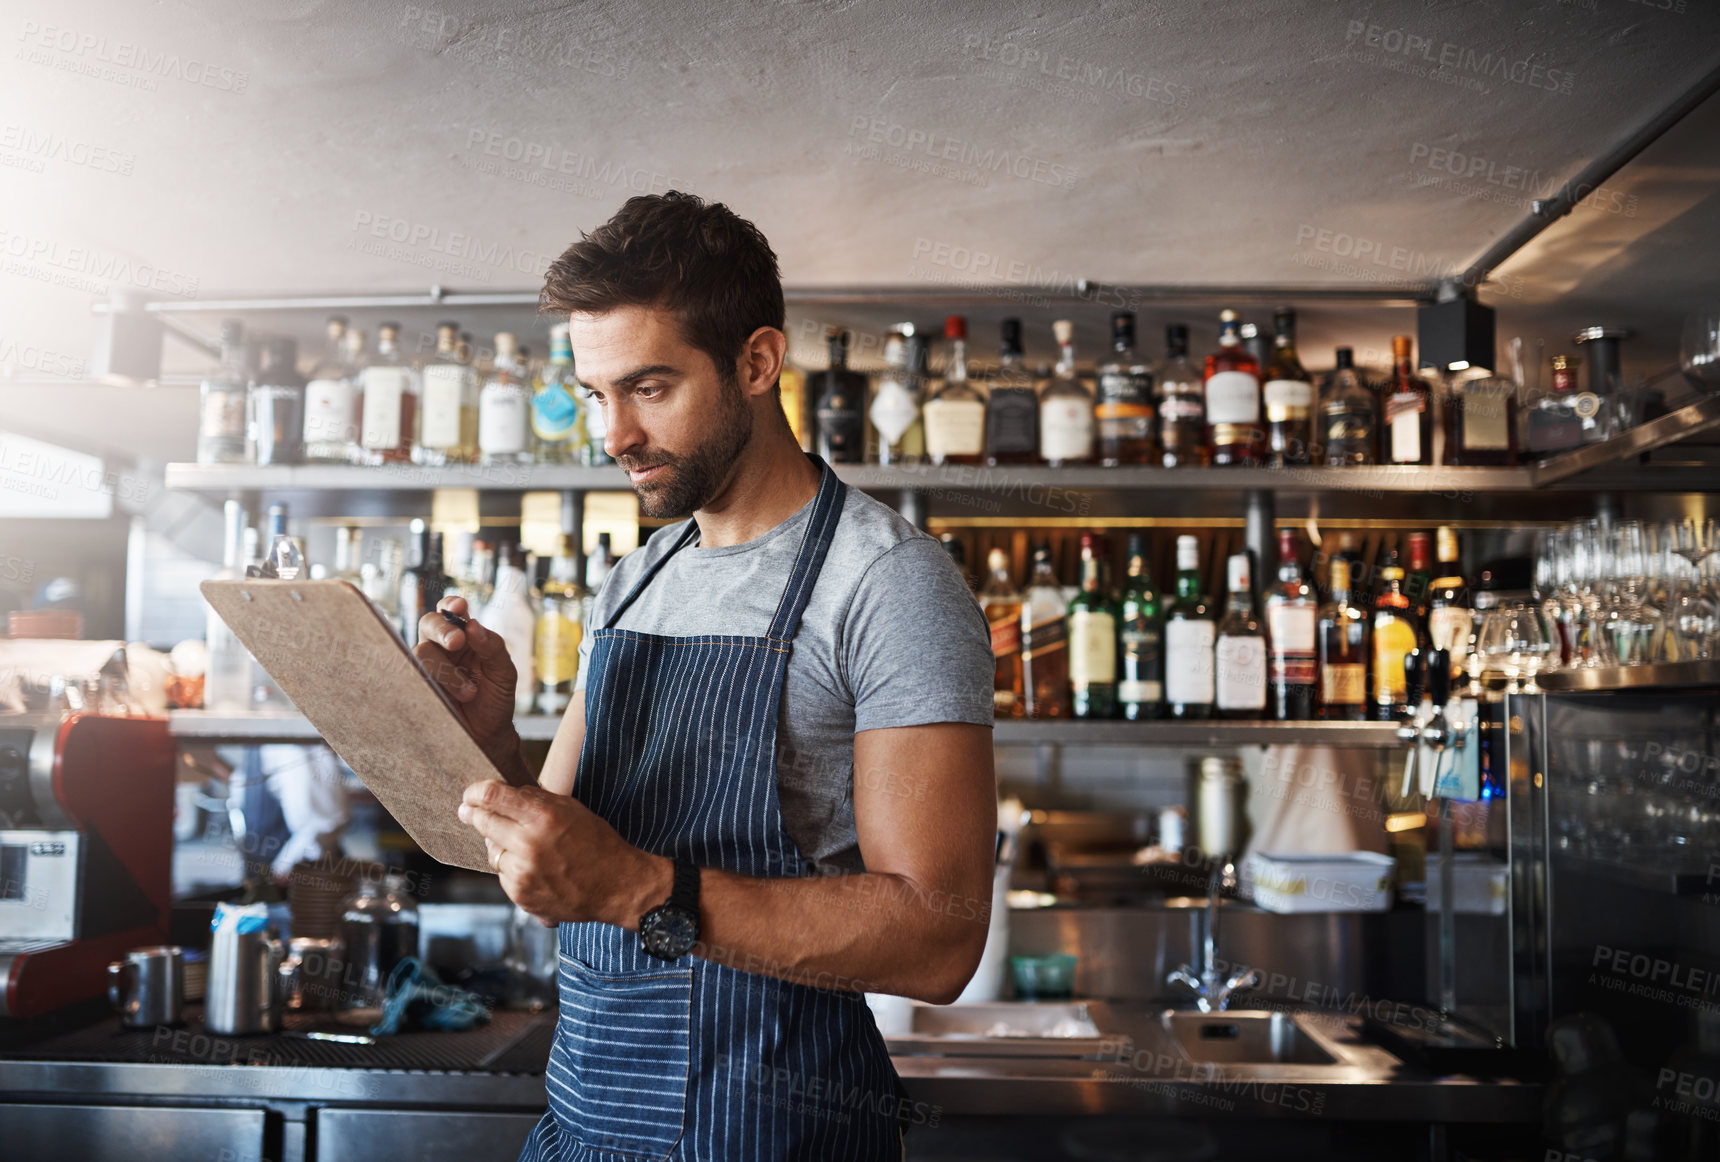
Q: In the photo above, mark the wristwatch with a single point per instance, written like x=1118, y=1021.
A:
x=670, y=930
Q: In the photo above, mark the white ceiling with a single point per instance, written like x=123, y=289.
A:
x=1188, y=143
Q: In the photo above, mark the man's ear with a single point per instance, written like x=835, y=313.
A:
x=761, y=360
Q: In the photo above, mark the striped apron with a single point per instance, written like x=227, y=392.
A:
x=691, y=1059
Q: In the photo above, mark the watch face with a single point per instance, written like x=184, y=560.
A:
x=669, y=932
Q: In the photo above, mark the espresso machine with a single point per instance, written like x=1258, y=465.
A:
x=86, y=852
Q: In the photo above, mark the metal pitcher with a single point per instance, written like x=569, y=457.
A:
x=147, y=988
x=244, y=992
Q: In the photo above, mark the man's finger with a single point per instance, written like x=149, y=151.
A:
x=499, y=829
x=521, y=804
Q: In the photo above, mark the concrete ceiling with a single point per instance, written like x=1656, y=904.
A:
x=211, y=148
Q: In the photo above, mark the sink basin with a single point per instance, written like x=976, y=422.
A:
x=1006, y=1029
x=1245, y=1038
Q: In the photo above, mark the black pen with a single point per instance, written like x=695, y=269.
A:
x=453, y=619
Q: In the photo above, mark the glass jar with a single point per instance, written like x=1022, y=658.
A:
x=379, y=929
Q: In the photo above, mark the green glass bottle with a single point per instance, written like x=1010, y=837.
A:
x=1140, y=640
x=1191, y=632
x=1093, y=639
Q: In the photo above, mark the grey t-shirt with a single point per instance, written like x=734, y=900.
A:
x=891, y=637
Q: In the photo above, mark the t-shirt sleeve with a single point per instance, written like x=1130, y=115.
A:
x=916, y=649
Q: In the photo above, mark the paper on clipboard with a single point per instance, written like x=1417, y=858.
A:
x=346, y=671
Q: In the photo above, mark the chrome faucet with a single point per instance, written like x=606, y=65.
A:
x=1212, y=995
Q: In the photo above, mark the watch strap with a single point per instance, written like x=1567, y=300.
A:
x=685, y=892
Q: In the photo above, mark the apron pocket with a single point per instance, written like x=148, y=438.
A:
x=619, y=1073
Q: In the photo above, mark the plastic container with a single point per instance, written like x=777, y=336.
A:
x=1356, y=881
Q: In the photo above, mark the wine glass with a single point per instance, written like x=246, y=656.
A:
x=1691, y=610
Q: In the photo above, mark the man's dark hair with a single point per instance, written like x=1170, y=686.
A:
x=702, y=262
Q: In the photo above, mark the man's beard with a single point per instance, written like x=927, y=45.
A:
x=690, y=482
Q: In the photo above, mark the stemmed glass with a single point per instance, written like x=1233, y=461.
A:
x=1691, y=612
x=1513, y=641
x=1630, y=616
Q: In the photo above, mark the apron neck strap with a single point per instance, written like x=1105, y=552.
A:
x=814, y=544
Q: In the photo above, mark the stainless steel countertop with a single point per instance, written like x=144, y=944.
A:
x=1152, y=1078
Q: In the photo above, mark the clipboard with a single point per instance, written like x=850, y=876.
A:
x=332, y=652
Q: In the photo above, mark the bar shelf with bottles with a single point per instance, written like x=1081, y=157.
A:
x=1250, y=419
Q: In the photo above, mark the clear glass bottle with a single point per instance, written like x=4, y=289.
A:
x=1481, y=422
x=389, y=422
x=1092, y=639
x=555, y=409
x=277, y=405
x=1044, y=642
x=1292, y=617
x=1288, y=395
x=331, y=402
x=1231, y=383
x=1011, y=405
x=895, y=406
x=348, y=554
x=504, y=408
x=1140, y=639
x=1562, y=418
x=222, y=403
x=378, y=929
x=1001, y=602
x=560, y=629
x=448, y=424
x=955, y=416
x=1191, y=631
x=1124, y=410
x=1239, y=655
x=1348, y=414
x=228, y=682
x=1182, y=405
x=840, y=405
x=1406, y=411
x=1065, y=406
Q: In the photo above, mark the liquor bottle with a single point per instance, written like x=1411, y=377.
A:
x=1450, y=621
x=505, y=408
x=955, y=416
x=594, y=429
x=555, y=409
x=841, y=408
x=1065, y=406
x=448, y=423
x=273, y=544
x=1481, y=422
x=222, y=403
x=348, y=554
x=953, y=546
x=1044, y=642
x=1418, y=580
x=598, y=564
x=1190, y=634
x=331, y=402
x=1292, y=614
x=1406, y=421
x=1288, y=395
x=1182, y=405
x=1140, y=645
x=1002, y=605
x=791, y=391
x=1239, y=657
x=1254, y=343
x=389, y=421
x=1011, y=406
x=381, y=581
x=422, y=582
x=227, y=684
x=1347, y=414
x=356, y=355
x=277, y=406
x=1343, y=642
x=1561, y=418
x=1232, y=388
x=1092, y=639
x=895, y=406
x=560, y=629
x=1124, y=410
x=511, y=612
x=1394, y=639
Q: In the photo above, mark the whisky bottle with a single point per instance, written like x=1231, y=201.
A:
x=1481, y=422
x=1406, y=427
x=1291, y=621
x=1288, y=395
x=1394, y=639
x=1343, y=650
x=1450, y=621
x=1001, y=603
x=389, y=424
x=1182, y=405
x=1124, y=410
x=841, y=407
x=1011, y=406
x=1044, y=642
x=1239, y=656
x=1092, y=639
x=955, y=416
x=1140, y=644
x=1190, y=634
x=1232, y=388
x=1065, y=406
x=1347, y=414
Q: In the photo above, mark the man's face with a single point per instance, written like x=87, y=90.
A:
x=674, y=423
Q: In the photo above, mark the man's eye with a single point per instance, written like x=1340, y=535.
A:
x=647, y=391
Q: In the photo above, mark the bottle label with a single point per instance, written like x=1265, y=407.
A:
x=1343, y=684
x=1292, y=630
x=444, y=392
x=1287, y=399
x=223, y=415
x=1006, y=634
x=555, y=413
x=1011, y=421
x=838, y=420
x=1137, y=690
x=1043, y=637
x=1065, y=428
x=1349, y=435
x=1188, y=661
x=955, y=427
x=1403, y=420
x=1233, y=397
x=1140, y=644
x=1448, y=628
x=1126, y=390
x=1241, y=664
x=329, y=412
x=1092, y=647
x=1182, y=407
x=894, y=411
x=383, y=389
x=1394, y=638
x=503, y=421
x=1486, y=420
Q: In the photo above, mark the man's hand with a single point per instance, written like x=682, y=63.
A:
x=473, y=666
x=560, y=862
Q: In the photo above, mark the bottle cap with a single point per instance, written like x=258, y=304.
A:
x=1188, y=553
x=955, y=327
x=1238, y=572
x=1447, y=541
x=1064, y=331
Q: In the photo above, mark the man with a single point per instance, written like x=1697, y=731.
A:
x=777, y=791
